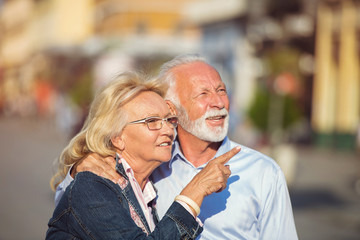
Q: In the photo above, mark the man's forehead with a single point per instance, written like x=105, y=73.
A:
x=207, y=83
x=198, y=74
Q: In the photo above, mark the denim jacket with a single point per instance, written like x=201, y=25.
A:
x=96, y=208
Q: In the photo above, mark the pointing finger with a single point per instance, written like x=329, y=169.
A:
x=227, y=156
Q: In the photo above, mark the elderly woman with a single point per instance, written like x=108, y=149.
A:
x=129, y=120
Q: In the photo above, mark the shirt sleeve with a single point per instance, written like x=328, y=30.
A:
x=277, y=221
x=62, y=187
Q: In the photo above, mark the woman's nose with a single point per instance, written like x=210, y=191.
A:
x=167, y=128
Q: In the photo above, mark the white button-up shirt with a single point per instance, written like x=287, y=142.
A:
x=255, y=204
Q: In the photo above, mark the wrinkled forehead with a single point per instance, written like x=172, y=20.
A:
x=197, y=75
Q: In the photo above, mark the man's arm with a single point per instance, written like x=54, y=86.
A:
x=104, y=167
x=277, y=221
x=62, y=187
x=101, y=166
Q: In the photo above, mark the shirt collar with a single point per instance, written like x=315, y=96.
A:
x=176, y=151
x=224, y=147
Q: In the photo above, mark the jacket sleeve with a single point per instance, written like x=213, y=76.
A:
x=99, y=213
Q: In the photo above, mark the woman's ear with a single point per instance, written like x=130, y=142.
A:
x=118, y=142
x=172, y=107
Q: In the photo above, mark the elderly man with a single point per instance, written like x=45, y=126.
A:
x=256, y=203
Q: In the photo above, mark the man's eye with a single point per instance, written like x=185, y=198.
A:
x=222, y=90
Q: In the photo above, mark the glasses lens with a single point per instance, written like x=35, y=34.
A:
x=154, y=123
x=173, y=121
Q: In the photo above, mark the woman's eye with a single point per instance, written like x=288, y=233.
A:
x=151, y=120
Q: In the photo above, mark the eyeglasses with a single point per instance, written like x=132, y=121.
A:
x=156, y=123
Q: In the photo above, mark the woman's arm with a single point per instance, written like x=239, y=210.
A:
x=99, y=212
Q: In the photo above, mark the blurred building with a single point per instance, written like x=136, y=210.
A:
x=336, y=96
x=277, y=57
x=14, y=48
x=41, y=32
x=73, y=44
x=139, y=34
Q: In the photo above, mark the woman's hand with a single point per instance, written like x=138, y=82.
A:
x=213, y=178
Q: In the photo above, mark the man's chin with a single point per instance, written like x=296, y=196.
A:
x=204, y=131
x=213, y=135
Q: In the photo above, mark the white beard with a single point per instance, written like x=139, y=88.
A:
x=200, y=129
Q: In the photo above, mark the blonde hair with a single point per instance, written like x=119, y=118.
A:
x=106, y=120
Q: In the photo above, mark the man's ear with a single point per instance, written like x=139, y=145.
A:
x=118, y=142
x=172, y=107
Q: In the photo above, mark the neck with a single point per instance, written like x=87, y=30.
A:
x=142, y=169
x=195, y=150
x=141, y=179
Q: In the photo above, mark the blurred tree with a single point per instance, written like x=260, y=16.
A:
x=275, y=105
x=281, y=59
x=259, y=110
x=81, y=92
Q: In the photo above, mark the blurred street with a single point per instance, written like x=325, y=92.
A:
x=325, y=202
x=28, y=149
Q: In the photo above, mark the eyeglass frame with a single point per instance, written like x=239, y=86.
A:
x=144, y=120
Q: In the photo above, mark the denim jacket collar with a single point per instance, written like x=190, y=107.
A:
x=119, y=168
x=129, y=195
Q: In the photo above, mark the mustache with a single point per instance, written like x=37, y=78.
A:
x=215, y=112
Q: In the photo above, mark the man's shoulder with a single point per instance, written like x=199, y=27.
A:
x=254, y=156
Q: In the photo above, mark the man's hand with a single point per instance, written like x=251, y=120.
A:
x=104, y=167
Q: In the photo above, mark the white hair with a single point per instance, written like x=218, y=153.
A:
x=167, y=76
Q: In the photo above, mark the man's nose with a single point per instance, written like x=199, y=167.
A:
x=218, y=101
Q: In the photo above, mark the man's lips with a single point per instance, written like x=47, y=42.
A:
x=216, y=121
x=220, y=117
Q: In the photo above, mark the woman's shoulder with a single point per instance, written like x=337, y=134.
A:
x=89, y=184
x=88, y=176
